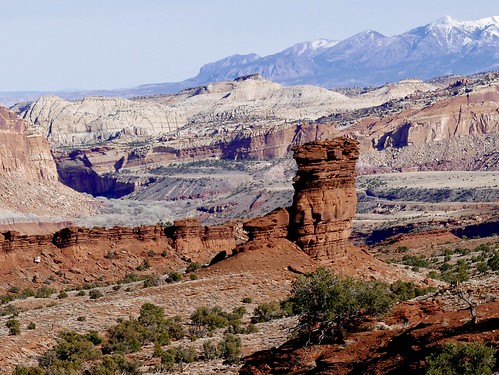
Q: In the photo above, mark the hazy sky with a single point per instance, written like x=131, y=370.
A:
x=99, y=44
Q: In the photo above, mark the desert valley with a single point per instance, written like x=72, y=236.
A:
x=257, y=223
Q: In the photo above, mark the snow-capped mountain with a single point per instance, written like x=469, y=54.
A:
x=446, y=46
x=294, y=63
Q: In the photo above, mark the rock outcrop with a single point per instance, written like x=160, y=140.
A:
x=325, y=198
x=319, y=222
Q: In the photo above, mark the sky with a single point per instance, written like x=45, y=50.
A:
x=105, y=44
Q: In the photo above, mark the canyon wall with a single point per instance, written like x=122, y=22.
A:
x=28, y=177
x=476, y=113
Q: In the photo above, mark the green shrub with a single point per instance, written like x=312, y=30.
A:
x=151, y=326
x=179, y=355
x=21, y=370
x=173, y=277
x=14, y=327
x=449, y=252
x=332, y=305
x=117, y=364
x=129, y=278
x=185, y=354
x=414, y=261
x=210, y=351
x=251, y=328
x=268, y=311
x=433, y=275
x=62, y=294
x=69, y=354
x=483, y=248
x=445, y=267
x=151, y=254
x=247, y=300
x=81, y=293
x=205, y=318
x=44, y=292
x=455, y=275
x=14, y=289
x=230, y=348
x=175, y=328
x=143, y=266
x=464, y=251
x=31, y=325
x=462, y=359
x=81, y=319
x=482, y=267
x=405, y=290
x=493, y=261
x=193, y=276
x=193, y=266
x=152, y=319
x=167, y=360
x=7, y=298
x=151, y=280
x=94, y=337
x=10, y=310
x=95, y=294
x=125, y=337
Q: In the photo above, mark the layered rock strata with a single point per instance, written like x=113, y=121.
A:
x=201, y=243
x=76, y=255
x=269, y=227
x=325, y=199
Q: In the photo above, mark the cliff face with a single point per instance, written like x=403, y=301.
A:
x=28, y=175
x=23, y=154
x=325, y=200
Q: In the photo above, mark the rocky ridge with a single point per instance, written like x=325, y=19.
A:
x=76, y=255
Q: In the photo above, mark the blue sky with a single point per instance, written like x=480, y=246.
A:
x=104, y=44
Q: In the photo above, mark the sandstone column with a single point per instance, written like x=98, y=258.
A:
x=325, y=199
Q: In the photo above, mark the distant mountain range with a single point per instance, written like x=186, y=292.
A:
x=444, y=47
